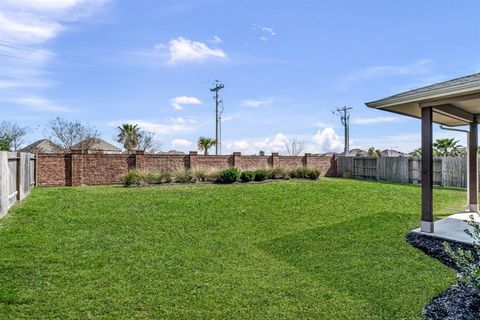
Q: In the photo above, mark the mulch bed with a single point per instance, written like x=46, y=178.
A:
x=457, y=302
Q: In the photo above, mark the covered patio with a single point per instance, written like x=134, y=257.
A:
x=450, y=103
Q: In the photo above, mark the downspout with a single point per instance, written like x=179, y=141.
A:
x=443, y=127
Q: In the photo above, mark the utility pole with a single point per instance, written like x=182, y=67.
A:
x=345, y=119
x=218, y=116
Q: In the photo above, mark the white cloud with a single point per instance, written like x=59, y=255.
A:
x=269, y=30
x=419, y=67
x=328, y=140
x=38, y=104
x=257, y=103
x=26, y=26
x=265, y=32
x=269, y=144
x=179, y=102
x=181, y=144
x=216, y=40
x=368, y=121
x=159, y=129
x=185, y=50
x=181, y=120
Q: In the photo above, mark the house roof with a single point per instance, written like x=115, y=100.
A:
x=453, y=101
x=42, y=146
x=96, y=144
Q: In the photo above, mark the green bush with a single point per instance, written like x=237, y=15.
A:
x=305, y=173
x=313, y=174
x=183, y=176
x=247, y=176
x=261, y=175
x=229, y=175
x=278, y=173
x=132, y=178
x=468, y=261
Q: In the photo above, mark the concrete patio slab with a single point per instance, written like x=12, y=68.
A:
x=453, y=227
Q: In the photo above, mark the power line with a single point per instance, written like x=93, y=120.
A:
x=218, y=116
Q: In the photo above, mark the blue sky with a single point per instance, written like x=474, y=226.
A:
x=285, y=65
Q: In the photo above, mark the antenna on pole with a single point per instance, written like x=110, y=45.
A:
x=344, y=114
x=218, y=116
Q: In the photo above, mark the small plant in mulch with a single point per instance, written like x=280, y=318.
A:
x=468, y=261
x=462, y=301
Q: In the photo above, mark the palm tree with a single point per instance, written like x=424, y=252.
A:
x=205, y=143
x=447, y=147
x=129, y=136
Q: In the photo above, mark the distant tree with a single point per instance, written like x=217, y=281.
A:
x=15, y=134
x=294, y=147
x=372, y=152
x=68, y=133
x=148, y=143
x=261, y=153
x=129, y=135
x=205, y=143
x=416, y=153
x=447, y=147
x=5, y=144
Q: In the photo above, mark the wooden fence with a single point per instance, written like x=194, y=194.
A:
x=17, y=178
x=447, y=171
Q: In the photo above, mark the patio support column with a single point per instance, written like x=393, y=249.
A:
x=427, y=170
x=473, y=167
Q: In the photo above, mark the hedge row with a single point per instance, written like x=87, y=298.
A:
x=230, y=175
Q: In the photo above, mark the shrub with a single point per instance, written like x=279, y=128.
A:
x=247, y=176
x=200, y=175
x=278, y=173
x=229, y=175
x=468, y=261
x=132, y=178
x=313, y=174
x=305, y=173
x=182, y=176
x=166, y=177
x=261, y=175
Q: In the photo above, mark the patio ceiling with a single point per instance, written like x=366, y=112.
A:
x=455, y=102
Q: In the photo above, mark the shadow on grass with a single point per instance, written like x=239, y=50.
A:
x=368, y=259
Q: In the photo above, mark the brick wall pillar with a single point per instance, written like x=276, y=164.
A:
x=192, y=159
x=76, y=167
x=237, y=160
x=275, y=160
x=139, y=162
x=305, y=159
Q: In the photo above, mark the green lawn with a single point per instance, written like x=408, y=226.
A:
x=329, y=249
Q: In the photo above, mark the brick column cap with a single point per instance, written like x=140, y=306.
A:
x=237, y=153
x=193, y=153
x=76, y=151
x=275, y=154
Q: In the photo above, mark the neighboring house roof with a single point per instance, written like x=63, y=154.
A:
x=42, y=146
x=461, y=94
x=355, y=153
x=392, y=153
x=171, y=152
x=96, y=144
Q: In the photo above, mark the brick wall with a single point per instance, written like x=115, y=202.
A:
x=77, y=168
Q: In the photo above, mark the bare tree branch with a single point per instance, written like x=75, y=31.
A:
x=294, y=147
x=68, y=133
x=13, y=133
x=147, y=142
